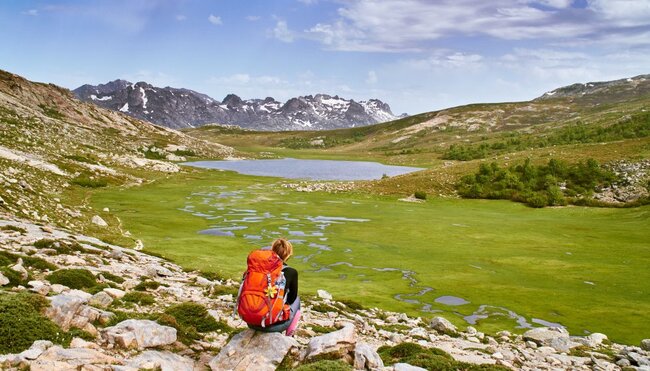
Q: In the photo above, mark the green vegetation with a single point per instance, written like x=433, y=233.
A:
x=21, y=322
x=185, y=153
x=555, y=184
x=51, y=112
x=428, y=358
x=325, y=365
x=138, y=298
x=190, y=319
x=13, y=228
x=111, y=277
x=7, y=258
x=147, y=285
x=636, y=126
x=474, y=249
x=88, y=182
x=73, y=278
x=420, y=195
x=152, y=154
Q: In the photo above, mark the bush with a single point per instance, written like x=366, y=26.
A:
x=139, y=298
x=13, y=228
x=326, y=365
x=147, y=285
x=111, y=277
x=420, y=195
x=21, y=323
x=352, y=304
x=190, y=319
x=14, y=277
x=430, y=359
x=73, y=278
x=7, y=258
x=86, y=182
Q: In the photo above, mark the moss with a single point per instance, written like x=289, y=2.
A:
x=428, y=358
x=326, y=365
x=225, y=290
x=7, y=258
x=420, y=195
x=111, y=277
x=147, y=285
x=213, y=276
x=13, y=228
x=322, y=329
x=324, y=308
x=14, y=277
x=191, y=319
x=73, y=278
x=138, y=297
x=352, y=304
x=87, y=182
x=21, y=323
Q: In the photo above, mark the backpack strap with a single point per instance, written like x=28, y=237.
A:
x=241, y=287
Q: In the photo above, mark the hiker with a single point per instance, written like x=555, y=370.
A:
x=268, y=297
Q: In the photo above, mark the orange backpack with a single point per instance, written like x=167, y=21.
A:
x=262, y=298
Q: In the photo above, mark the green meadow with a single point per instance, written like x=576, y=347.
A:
x=585, y=268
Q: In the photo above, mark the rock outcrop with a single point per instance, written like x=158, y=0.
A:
x=252, y=350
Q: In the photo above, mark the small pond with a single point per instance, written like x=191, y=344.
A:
x=308, y=169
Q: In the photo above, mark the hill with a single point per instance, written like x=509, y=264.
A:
x=53, y=147
x=183, y=108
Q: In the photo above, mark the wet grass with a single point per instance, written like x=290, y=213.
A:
x=585, y=268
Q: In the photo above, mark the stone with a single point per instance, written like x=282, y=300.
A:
x=419, y=332
x=252, y=350
x=101, y=299
x=74, y=357
x=623, y=362
x=555, y=337
x=442, y=325
x=164, y=361
x=34, y=351
x=81, y=343
x=57, y=288
x=645, y=344
x=134, y=333
x=202, y=281
x=592, y=340
x=115, y=293
x=18, y=267
x=98, y=221
x=471, y=331
x=638, y=359
x=63, y=309
x=324, y=294
x=154, y=270
x=407, y=367
x=366, y=357
x=3, y=280
x=339, y=342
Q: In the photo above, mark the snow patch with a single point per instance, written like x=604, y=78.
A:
x=125, y=107
x=144, y=98
x=94, y=97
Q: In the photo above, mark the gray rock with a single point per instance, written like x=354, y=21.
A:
x=638, y=359
x=115, y=293
x=407, y=367
x=63, y=309
x=3, y=280
x=442, y=325
x=18, y=267
x=202, y=281
x=101, y=300
x=252, y=350
x=340, y=342
x=555, y=337
x=56, y=358
x=645, y=344
x=37, y=348
x=154, y=270
x=165, y=361
x=623, y=362
x=324, y=294
x=97, y=220
x=366, y=357
x=592, y=340
x=139, y=334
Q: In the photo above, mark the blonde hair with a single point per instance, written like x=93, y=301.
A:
x=283, y=248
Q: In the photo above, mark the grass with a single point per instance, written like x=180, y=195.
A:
x=73, y=278
x=138, y=297
x=496, y=253
x=428, y=358
x=13, y=228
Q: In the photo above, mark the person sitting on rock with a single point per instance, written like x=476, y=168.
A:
x=268, y=297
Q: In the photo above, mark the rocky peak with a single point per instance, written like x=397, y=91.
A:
x=232, y=100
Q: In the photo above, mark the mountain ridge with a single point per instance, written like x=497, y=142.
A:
x=179, y=108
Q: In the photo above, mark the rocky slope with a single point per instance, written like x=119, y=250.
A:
x=141, y=312
x=53, y=146
x=603, y=91
x=183, y=108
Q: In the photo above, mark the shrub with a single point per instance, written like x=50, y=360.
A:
x=86, y=182
x=428, y=358
x=21, y=323
x=195, y=315
x=420, y=195
x=147, y=285
x=80, y=158
x=186, y=153
x=139, y=298
x=73, y=278
x=14, y=277
x=225, y=290
x=325, y=365
x=352, y=304
x=13, y=228
x=111, y=277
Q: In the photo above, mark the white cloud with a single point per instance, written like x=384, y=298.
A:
x=372, y=77
x=308, y=2
x=253, y=18
x=215, y=20
x=282, y=32
x=31, y=12
x=181, y=17
x=623, y=12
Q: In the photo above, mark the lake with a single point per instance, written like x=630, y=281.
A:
x=308, y=169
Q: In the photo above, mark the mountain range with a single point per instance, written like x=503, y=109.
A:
x=184, y=108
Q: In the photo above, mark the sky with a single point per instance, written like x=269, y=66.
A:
x=415, y=55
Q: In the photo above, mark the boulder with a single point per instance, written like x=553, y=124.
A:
x=63, y=309
x=39, y=287
x=554, y=337
x=18, y=267
x=58, y=358
x=645, y=344
x=163, y=361
x=592, y=340
x=97, y=220
x=37, y=348
x=3, y=280
x=324, y=294
x=407, y=367
x=115, y=293
x=101, y=300
x=366, y=358
x=139, y=334
x=442, y=325
x=338, y=343
x=253, y=350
